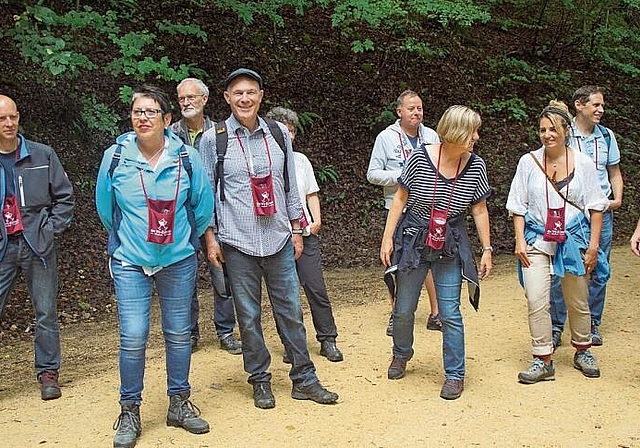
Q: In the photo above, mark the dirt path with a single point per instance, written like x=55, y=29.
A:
x=494, y=410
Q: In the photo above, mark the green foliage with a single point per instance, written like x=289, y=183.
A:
x=358, y=46
x=247, y=11
x=514, y=107
x=327, y=174
x=422, y=49
x=98, y=116
x=56, y=44
x=451, y=12
x=306, y=120
x=185, y=30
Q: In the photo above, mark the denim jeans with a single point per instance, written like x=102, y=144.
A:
x=42, y=283
x=448, y=280
x=279, y=272
x=597, y=287
x=134, y=288
x=309, y=267
x=224, y=317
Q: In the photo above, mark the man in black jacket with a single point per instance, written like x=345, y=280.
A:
x=37, y=205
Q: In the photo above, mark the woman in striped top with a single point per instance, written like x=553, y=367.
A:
x=426, y=230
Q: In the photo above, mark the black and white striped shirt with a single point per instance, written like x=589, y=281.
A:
x=418, y=178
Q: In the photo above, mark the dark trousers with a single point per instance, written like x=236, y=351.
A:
x=309, y=267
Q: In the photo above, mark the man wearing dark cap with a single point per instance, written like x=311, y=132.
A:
x=259, y=235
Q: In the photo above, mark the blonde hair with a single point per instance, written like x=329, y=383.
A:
x=457, y=125
x=558, y=113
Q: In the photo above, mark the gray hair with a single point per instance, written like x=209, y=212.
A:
x=202, y=86
x=284, y=115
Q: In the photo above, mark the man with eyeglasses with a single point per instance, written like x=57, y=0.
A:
x=192, y=97
x=259, y=236
x=37, y=206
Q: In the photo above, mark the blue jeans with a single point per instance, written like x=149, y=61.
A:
x=224, y=316
x=279, y=272
x=597, y=287
x=134, y=288
x=42, y=283
x=448, y=280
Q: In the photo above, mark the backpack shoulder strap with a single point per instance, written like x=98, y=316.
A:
x=186, y=162
x=605, y=134
x=279, y=138
x=221, y=150
x=115, y=160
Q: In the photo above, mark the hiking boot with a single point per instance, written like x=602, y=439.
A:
x=262, y=396
x=452, y=389
x=184, y=414
x=329, y=350
x=127, y=426
x=397, y=368
x=537, y=371
x=390, y=326
x=584, y=361
x=314, y=392
x=49, y=387
x=194, y=344
x=556, y=338
x=434, y=323
x=231, y=344
x=596, y=338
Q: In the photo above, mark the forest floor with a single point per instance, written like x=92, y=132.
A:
x=494, y=410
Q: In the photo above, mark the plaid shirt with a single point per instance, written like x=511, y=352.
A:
x=257, y=153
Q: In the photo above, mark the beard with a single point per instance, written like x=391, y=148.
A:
x=190, y=113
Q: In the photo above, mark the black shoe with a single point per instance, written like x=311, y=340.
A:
x=286, y=358
x=194, y=343
x=49, y=387
x=390, y=326
x=184, y=414
x=263, y=397
x=231, y=344
x=314, y=392
x=329, y=350
x=556, y=338
x=127, y=426
x=397, y=368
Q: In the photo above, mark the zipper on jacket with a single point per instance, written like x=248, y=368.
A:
x=20, y=187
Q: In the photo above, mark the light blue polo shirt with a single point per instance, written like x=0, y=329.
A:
x=595, y=146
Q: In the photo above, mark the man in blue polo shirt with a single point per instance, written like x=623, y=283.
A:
x=599, y=143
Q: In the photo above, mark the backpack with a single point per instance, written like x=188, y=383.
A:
x=221, y=150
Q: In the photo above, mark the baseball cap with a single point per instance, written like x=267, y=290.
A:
x=243, y=72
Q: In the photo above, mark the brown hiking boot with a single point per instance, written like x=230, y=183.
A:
x=49, y=387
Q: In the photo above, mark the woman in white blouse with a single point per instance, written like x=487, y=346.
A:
x=557, y=208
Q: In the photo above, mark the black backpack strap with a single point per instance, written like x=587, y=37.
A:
x=279, y=138
x=221, y=150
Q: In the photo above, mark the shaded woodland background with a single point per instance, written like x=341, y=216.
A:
x=70, y=66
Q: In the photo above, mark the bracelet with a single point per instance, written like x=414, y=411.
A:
x=487, y=248
x=297, y=231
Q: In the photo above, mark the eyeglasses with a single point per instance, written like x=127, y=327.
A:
x=149, y=113
x=189, y=98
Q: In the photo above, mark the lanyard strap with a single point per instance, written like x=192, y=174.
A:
x=144, y=190
x=405, y=153
x=455, y=179
x=595, y=151
x=244, y=153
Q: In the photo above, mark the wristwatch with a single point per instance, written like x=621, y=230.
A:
x=297, y=231
x=487, y=248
